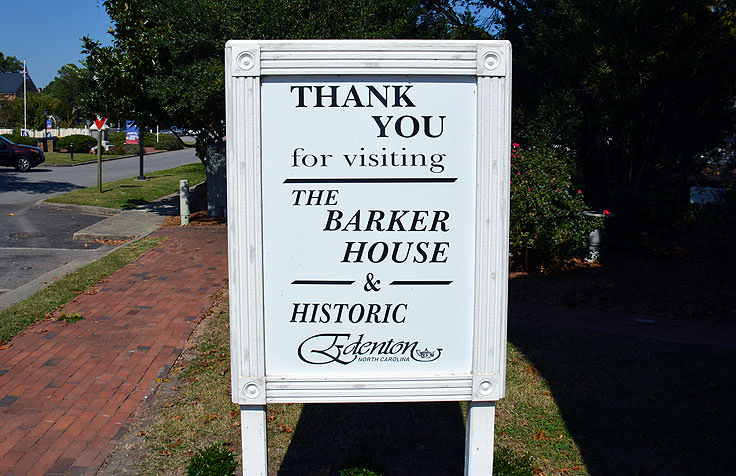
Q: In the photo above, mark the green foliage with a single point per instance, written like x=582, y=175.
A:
x=82, y=143
x=166, y=64
x=546, y=209
x=215, y=460
x=19, y=139
x=11, y=110
x=10, y=64
x=645, y=82
x=508, y=463
x=66, y=88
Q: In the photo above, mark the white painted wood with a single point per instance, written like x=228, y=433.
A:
x=246, y=63
x=369, y=389
x=492, y=228
x=254, y=437
x=319, y=57
x=244, y=236
x=479, y=438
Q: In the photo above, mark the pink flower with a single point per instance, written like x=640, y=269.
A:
x=606, y=212
x=580, y=191
x=515, y=145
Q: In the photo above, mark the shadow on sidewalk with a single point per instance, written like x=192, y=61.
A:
x=637, y=407
x=402, y=438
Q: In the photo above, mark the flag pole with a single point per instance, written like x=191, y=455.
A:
x=25, y=117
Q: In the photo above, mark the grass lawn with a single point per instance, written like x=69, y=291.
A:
x=130, y=193
x=58, y=158
x=21, y=315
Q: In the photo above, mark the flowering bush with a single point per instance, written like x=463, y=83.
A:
x=546, y=210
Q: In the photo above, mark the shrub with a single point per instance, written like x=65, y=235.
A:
x=18, y=139
x=546, y=210
x=508, y=463
x=82, y=143
x=165, y=141
x=215, y=460
x=358, y=472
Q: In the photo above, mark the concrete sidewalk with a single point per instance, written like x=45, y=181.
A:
x=68, y=391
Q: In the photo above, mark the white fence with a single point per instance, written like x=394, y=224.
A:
x=54, y=132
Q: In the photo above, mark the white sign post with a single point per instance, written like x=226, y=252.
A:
x=368, y=185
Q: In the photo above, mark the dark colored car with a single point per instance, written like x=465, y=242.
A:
x=22, y=157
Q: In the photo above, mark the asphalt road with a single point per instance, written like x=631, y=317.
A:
x=36, y=240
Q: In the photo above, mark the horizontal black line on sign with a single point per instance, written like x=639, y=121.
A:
x=427, y=283
x=373, y=180
x=321, y=281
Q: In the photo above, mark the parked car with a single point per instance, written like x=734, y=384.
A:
x=22, y=157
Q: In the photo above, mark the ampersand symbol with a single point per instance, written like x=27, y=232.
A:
x=370, y=284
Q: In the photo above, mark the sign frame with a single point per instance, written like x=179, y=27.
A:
x=247, y=62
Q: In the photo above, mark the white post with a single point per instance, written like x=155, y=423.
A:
x=184, y=201
x=479, y=438
x=253, y=433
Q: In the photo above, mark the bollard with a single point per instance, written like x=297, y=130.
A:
x=596, y=235
x=71, y=151
x=184, y=201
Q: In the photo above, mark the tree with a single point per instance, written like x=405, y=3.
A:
x=11, y=111
x=10, y=64
x=66, y=88
x=635, y=88
x=166, y=64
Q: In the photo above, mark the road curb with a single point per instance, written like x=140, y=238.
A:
x=90, y=209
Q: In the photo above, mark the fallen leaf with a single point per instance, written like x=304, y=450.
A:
x=141, y=433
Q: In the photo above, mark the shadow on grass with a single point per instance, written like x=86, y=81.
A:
x=132, y=203
x=396, y=438
x=638, y=407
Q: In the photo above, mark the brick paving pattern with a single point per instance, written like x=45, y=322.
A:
x=68, y=391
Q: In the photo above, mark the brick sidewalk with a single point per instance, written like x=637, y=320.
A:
x=68, y=391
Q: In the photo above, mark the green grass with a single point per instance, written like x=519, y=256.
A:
x=59, y=158
x=21, y=315
x=130, y=193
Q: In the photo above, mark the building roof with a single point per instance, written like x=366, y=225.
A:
x=12, y=83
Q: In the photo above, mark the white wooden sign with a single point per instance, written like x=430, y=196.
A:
x=368, y=185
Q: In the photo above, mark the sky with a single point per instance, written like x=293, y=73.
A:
x=47, y=33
